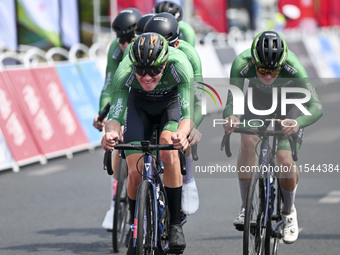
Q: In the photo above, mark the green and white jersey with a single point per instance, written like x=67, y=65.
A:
x=187, y=33
x=292, y=74
x=177, y=74
x=114, y=57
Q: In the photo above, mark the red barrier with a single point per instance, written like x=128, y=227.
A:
x=44, y=126
x=15, y=129
x=58, y=102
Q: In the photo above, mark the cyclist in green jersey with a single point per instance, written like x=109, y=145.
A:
x=124, y=26
x=175, y=8
x=155, y=91
x=267, y=65
x=166, y=25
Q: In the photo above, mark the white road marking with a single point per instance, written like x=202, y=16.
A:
x=332, y=197
x=48, y=170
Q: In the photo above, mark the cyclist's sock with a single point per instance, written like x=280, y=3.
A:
x=113, y=191
x=188, y=177
x=244, y=186
x=175, y=201
x=132, y=206
x=289, y=199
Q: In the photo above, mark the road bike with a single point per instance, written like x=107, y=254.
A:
x=152, y=218
x=262, y=229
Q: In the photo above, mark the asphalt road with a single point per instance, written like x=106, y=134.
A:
x=58, y=208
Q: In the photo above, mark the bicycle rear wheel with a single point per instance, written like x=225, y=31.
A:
x=121, y=212
x=145, y=225
x=254, y=235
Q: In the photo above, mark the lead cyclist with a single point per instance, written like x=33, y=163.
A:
x=153, y=86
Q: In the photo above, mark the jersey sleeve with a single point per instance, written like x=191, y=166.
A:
x=113, y=59
x=120, y=91
x=237, y=79
x=187, y=32
x=314, y=106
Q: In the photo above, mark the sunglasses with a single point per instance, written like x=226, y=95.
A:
x=152, y=71
x=123, y=40
x=265, y=71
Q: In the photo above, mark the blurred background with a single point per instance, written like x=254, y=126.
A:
x=63, y=23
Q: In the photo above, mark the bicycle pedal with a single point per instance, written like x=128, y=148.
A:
x=239, y=227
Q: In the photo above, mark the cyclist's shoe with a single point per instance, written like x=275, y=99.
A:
x=131, y=250
x=190, y=199
x=127, y=238
x=108, y=220
x=176, y=239
x=290, y=227
x=239, y=220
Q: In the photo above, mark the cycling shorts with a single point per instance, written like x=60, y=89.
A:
x=145, y=111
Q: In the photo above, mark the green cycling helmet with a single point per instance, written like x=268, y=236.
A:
x=149, y=50
x=269, y=50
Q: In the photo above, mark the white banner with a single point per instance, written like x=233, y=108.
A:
x=6, y=160
x=42, y=17
x=70, y=30
x=8, y=28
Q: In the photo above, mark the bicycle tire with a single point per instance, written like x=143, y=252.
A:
x=278, y=218
x=254, y=234
x=145, y=224
x=121, y=209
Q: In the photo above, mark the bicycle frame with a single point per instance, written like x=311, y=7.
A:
x=155, y=181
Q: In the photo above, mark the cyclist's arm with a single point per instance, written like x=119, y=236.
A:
x=314, y=105
x=113, y=59
x=188, y=33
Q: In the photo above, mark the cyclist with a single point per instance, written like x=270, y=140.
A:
x=141, y=23
x=175, y=8
x=263, y=65
x=155, y=91
x=124, y=26
x=166, y=25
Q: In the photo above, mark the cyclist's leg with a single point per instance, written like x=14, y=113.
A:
x=173, y=186
x=190, y=199
x=289, y=177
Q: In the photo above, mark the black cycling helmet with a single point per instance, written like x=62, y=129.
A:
x=170, y=7
x=164, y=24
x=142, y=21
x=269, y=50
x=149, y=50
x=125, y=23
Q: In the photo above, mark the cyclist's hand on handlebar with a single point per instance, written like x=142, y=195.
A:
x=180, y=141
x=195, y=136
x=99, y=124
x=231, y=123
x=289, y=126
x=109, y=140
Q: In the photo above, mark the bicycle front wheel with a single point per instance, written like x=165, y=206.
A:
x=145, y=225
x=120, y=216
x=254, y=234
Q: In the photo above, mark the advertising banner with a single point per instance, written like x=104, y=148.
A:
x=15, y=130
x=82, y=100
x=39, y=116
x=92, y=77
x=57, y=100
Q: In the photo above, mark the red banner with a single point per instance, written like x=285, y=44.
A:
x=44, y=127
x=213, y=13
x=58, y=102
x=14, y=127
x=144, y=7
